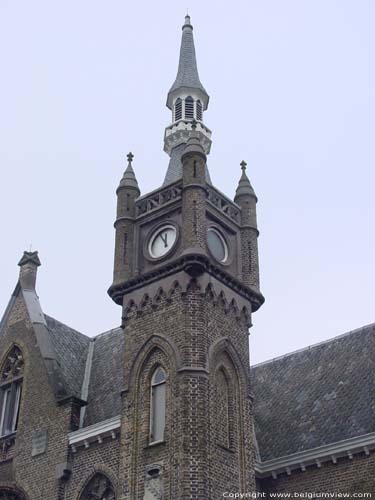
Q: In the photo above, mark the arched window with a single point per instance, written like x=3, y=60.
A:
x=223, y=408
x=158, y=402
x=189, y=108
x=11, y=391
x=98, y=488
x=199, y=110
x=10, y=495
x=178, y=110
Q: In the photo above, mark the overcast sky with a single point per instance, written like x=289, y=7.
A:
x=292, y=91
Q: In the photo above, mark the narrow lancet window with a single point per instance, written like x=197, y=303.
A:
x=11, y=391
x=189, y=108
x=158, y=403
x=199, y=110
x=178, y=110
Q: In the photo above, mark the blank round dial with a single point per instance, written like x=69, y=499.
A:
x=162, y=241
x=217, y=245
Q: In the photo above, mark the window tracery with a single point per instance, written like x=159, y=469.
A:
x=11, y=391
x=10, y=495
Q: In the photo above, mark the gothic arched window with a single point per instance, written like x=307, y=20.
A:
x=158, y=403
x=10, y=391
x=189, y=107
x=224, y=408
x=98, y=488
x=178, y=109
x=10, y=495
x=199, y=110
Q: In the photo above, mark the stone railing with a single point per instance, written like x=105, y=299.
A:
x=159, y=198
x=223, y=204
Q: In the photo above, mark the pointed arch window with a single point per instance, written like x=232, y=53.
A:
x=11, y=391
x=199, y=110
x=158, y=405
x=10, y=495
x=98, y=488
x=178, y=110
x=189, y=108
x=225, y=409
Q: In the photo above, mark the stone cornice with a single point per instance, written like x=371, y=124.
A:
x=316, y=456
x=95, y=433
x=194, y=264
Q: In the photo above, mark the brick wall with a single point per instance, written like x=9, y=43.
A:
x=187, y=332
x=347, y=476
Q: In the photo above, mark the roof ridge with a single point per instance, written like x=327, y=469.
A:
x=107, y=332
x=317, y=344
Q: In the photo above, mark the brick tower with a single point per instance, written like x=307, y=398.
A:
x=186, y=275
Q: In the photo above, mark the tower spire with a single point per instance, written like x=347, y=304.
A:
x=187, y=75
x=187, y=99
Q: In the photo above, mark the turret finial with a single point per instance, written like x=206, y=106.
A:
x=129, y=179
x=244, y=186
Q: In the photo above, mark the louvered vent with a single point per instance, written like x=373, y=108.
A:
x=189, y=108
x=178, y=109
x=199, y=110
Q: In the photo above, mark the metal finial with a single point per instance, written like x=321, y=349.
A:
x=31, y=246
x=243, y=165
x=130, y=157
x=194, y=124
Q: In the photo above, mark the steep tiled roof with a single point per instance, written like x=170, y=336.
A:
x=71, y=349
x=316, y=396
x=104, y=400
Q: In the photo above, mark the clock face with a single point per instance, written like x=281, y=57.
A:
x=217, y=245
x=162, y=241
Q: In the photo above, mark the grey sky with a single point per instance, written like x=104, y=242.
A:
x=292, y=91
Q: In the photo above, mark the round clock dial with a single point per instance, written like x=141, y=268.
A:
x=217, y=245
x=162, y=240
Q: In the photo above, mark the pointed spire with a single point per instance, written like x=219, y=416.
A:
x=187, y=74
x=244, y=186
x=129, y=179
x=29, y=264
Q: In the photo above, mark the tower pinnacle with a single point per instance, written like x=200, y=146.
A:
x=129, y=179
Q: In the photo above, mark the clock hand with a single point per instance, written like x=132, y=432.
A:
x=164, y=239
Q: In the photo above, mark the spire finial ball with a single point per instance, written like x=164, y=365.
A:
x=243, y=165
x=130, y=157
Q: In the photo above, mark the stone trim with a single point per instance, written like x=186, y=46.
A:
x=190, y=263
x=316, y=456
x=94, y=433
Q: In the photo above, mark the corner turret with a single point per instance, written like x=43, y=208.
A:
x=246, y=198
x=127, y=192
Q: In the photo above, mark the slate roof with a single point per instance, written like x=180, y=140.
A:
x=106, y=381
x=105, y=370
x=71, y=348
x=309, y=398
x=174, y=170
x=316, y=396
